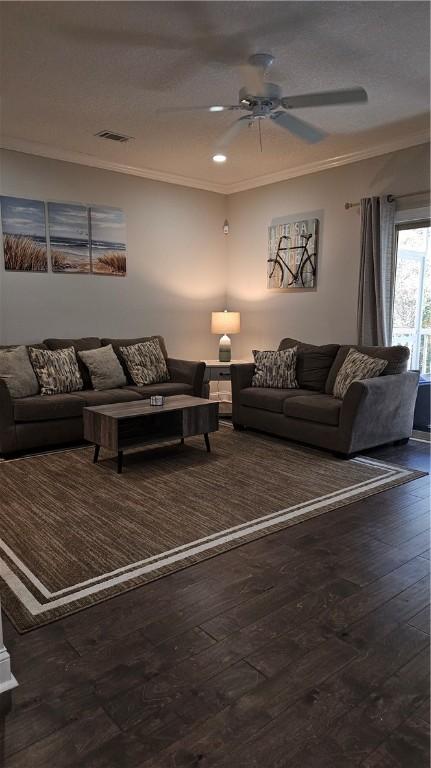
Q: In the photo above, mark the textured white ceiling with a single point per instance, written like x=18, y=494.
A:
x=70, y=69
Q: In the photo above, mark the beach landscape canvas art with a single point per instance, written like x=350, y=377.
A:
x=292, y=255
x=69, y=238
x=108, y=241
x=82, y=239
x=24, y=234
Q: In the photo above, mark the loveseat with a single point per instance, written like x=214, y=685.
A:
x=46, y=420
x=373, y=412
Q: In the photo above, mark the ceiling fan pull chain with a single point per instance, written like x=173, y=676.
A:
x=260, y=135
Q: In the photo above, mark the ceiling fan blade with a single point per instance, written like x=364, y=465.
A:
x=298, y=127
x=326, y=98
x=232, y=132
x=209, y=108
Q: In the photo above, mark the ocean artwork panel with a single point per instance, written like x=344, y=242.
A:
x=292, y=255
x=24, y=234
x=108, y=241
x=69, y=238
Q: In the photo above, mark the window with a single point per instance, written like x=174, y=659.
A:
x=412, y=300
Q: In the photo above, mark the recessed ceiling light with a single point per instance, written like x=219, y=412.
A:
x=216, y=109
x=219, y=158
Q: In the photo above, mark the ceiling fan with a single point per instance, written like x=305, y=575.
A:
x=261, y=100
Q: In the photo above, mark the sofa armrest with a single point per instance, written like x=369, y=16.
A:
x=241, y=375
x=377, y=411
x=187, y=372
x=7, y=421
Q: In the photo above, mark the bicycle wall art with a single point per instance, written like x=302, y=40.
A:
x=292, y=255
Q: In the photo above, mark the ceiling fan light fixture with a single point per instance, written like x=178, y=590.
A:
x=260, y=100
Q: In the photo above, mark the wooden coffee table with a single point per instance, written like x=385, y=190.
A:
x=127, y=425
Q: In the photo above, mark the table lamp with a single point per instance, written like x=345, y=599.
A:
x=225, y=323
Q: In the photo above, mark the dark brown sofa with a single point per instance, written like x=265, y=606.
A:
x=45, y=420
x=373, y=412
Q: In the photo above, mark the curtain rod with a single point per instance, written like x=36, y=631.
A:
x=392, y=197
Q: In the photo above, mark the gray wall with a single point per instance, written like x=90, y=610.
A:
x=181, y=266
x=328, y=314
x=176, y=261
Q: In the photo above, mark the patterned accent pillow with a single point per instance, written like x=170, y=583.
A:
x=145, y=363
x=355, y=368
x=276, y=370
x=56, y=370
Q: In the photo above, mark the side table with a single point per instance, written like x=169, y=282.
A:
x=219, y=372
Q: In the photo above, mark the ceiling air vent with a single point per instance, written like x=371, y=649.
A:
x=113, y=136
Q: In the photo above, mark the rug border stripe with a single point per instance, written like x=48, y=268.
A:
x=303, y=506
x=195, y=548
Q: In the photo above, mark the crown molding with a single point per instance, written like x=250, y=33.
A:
x=384, y=148
x=80, y=158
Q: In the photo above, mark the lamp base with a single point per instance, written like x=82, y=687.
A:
x=224, y=352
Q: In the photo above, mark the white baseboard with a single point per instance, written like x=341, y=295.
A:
x=12, y=683
x=7, y=679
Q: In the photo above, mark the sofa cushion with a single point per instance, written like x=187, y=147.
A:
x=117, y=343
x=313, y=363
x=324, y=409
x=57, y=370
x=47, y=407
x=17, y=371
x=167, y=389
x=397, y=358
x=79, y=345
x=106, y=396
x=269, y=399
x=68, y=406
x=104, y=367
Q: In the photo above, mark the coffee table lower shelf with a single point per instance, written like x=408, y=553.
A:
x=120, y=454
x=120, y=426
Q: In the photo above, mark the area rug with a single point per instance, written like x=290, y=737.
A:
x=74, y=533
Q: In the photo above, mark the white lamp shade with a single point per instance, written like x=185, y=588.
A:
x=225, y=322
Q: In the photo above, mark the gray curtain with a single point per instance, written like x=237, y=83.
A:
x=377, y=271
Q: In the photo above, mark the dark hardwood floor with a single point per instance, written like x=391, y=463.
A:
x=307, y=648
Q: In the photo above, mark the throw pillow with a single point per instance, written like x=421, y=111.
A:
x=104, y=368
x=16, y=370
x=276, y=370
x=56, y=371
x=145, y=363
x=355, y=368
x=118, y=343
x=79, y=345
x=397, y=358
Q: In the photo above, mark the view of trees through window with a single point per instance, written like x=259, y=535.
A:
x=412, y=302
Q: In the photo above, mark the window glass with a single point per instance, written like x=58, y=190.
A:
x=412, y=300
